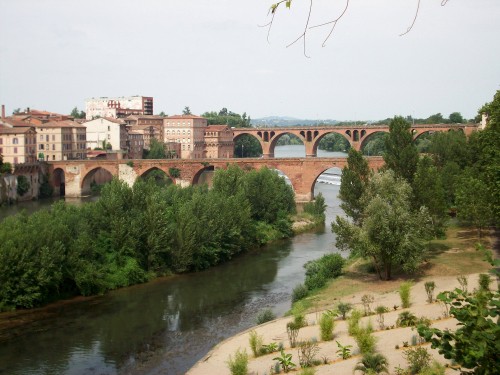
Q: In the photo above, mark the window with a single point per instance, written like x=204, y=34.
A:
x=40, y=147
x=53, y=157
x=15, y=150
x=47, y=138
x=41, y=137
x=1, y=150
x=15, y=141
x=53, y=147
x=109, y=128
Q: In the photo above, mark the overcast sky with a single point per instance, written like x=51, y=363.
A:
x=210, y=54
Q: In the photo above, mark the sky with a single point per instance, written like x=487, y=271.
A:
x=211, y=54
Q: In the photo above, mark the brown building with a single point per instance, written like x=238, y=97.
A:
x=61, y=140
x=188, y=131
x=118, y=107
x=18, y=144
x=218, y=142
x=149, y=126
x=135, y=144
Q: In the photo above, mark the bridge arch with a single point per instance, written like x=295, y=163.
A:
x=337, y=170
x=198, y=175
x=59, y=182
x=239, y=143
x=371, y=137
x=96, y=176
x=274, y=141
x=316, y=142
x=161, y=177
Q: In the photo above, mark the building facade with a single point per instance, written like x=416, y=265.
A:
x=106, y=132
x=118, y=107
x=61, y=140
x=135, y=144
x=218, y=142
x=18, y=144
x=188, y=131
x=149, y=126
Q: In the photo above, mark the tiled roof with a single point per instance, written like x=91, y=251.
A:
x=15, y=130
x=61, y=124
x=184, y=117
x=13, y=121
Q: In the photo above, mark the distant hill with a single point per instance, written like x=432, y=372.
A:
x=274, y=121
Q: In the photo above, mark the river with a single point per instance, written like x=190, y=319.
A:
x=164, y=326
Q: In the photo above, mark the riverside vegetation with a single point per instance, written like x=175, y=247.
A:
x=132, y=234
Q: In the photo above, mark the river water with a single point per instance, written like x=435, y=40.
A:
x=165, y=326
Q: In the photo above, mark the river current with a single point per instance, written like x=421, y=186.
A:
x=164, y=326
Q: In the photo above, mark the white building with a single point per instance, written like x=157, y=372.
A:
x=118, y=106
x=104, y=131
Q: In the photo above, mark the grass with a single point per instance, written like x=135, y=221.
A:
x=455, y=255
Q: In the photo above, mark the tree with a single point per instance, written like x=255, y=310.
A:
x=334, y=142
x=435, y=119
x=401, y=154
x=77, y=114
x=156, y=150
x=354, y=179
x=5, y=167
x=23, y=185
x=456, y=118
x=391, y=233
x=186, y=111
x=16, y=111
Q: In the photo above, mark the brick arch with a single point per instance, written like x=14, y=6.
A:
x=86, y=180
x=321, y=171
x=59, y=181
x=251, y=134
x=284, y=174
x=144, y=174
x=197, y=174
x=320, y=136
x=368, y=136
x=277, y=136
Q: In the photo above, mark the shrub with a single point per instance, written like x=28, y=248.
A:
x=238, y=365
x=343, y=308
x=372, y=363
x=255, y=340
x=353, y=322
x=484, y=282
x=429, y=289
x=23, y=185
x=307, y=351
x=292, y=329
x=435, y=369
x=406, y=319
x=367, y=301
x=319, y=271
x=404, y=294
x=285, y=361
x=365, y=340
x=264, y=316
x=299, y=292
x=418, y=358
x=464, y=282
x=344, y=351
x=381, y=310
x=130, y=163
x=326, y=325
x=308, y=371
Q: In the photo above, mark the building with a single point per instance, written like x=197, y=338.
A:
x=17, y=144
x=106, y=133
x=135, y=144
x=118, y=107
x=188, y=131
x=148, y=125
x=61, y=140
x=218, y=142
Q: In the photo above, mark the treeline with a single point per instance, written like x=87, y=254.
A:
x=132, y=234
x=394, y=212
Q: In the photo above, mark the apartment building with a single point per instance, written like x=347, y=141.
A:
x=17, y=144
x=135, y=144
x=188, y=131
x=61, y=140
x=106, y=132
x=118, y=107
x=218, y=142
x=148, y=125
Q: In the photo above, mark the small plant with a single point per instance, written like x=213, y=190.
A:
x=414, y=340
x=395, y=307
x=130, y=164
x=464, y=282
x=308, y=371
x=396, y=347
x=174, y=172
x=365, y=340
x=435, y=369
x=299, y=292
x=445, y=307
x=381, y=310
x=367, y=301
x=484, y=282
x=404, y=294
x=406, y=319
x=325, y=360
x=372, y=363
x=292, y=329
x=307, y=350
x=326, y=325
x=285, y=361
x=344, y=351
x=353, y=322
x=417, y=358
x=405, y=344
x=343, y=308
x=429, y=289
x=277, y=367
x=269, y=348
x=239, y=364
x=280, y=346
x=264, y=316
x=255, y=341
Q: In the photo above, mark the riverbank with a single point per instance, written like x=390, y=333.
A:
x=447, y=259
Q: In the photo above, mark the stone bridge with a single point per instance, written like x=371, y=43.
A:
x=74, y=178
x=357, y=136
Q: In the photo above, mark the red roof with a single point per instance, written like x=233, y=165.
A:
x=184, y=117
x=15, y=130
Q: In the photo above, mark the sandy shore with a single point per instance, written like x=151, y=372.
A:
x=215, y=361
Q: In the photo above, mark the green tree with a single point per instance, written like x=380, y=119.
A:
x=355, y=176
x=23, y=185
x=435, y=119
x=391, y=232
x=334, y=142
x=5, y=167
x=428, y=191
x=456, y=118
x=75, y=113
x=186, y=111
x=401, y=154
x=156, y=150
x=448, y=147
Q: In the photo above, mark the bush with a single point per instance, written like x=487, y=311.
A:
x=484, y=282
x=417, y=358
x=326, y=325
x=367, y=301
x=381, y=310
x=353, y=322
x=429, y=289
x=319, y=271
x=404, y=294
x=435, y=369
x=23, y=185
x=343, y=308
x=264, y=316
x=463, y=281
x=299, y=292
x=406, y=319
x=365, y=340
x=307, y=351
x=238, y=365
x=255, y=340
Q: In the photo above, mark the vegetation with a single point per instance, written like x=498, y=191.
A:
x=326, y=326
x=343, y=308
x=23, y=185
x=299, y=292
x=429, y=289
x=380, y=311
x=365, y=340
x=307, y=351
x=344, y=351
x=418, y=359
x=239, y=364
x=285, y=361
x=405, y=293
x=372, y=363
x=367, y=300
x=256, y=341
x=334, y=142
x=319, y=271
x=264, y=316
x=135, y=233
x=406, y=319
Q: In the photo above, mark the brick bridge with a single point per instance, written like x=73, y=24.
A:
x=75, y=177
x=357, y=136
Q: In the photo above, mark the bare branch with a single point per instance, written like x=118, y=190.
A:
x=414, y=19
x=303, y=35
x=334, y=22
